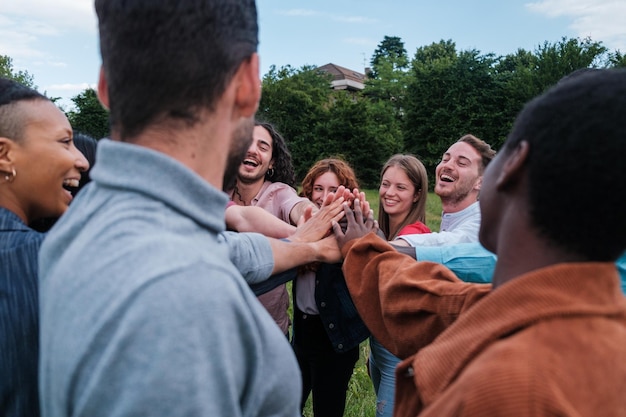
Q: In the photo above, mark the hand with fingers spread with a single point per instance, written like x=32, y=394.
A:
x=357, y=225
x=316, y=226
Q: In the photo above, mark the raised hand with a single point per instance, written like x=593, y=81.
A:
x=316, y=226
x=357, y=225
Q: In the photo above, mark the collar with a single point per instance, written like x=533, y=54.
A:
x=10, y=221
x=154, y=174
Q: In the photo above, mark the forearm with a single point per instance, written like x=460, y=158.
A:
x=289, y=255
x=405, y=304
x=256, y=219
x=298, y=211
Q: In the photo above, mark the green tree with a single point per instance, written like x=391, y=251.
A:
x=388, y=81
x=296, y=101
x=390, y=50
x=90, y=117
x=556, y=60
x=363, y=132
x=7, y=71
x=451, y=94
x=617, y=60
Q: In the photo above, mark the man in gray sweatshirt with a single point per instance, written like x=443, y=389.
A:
x=142, y=313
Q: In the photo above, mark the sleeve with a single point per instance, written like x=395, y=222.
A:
x=467, y=233
x=260, y=288
x=251, y=253
x=287, y=199
x=470, y=262
x=404, y=303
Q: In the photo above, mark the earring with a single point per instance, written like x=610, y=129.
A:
x=270, y=173
x=11, y=177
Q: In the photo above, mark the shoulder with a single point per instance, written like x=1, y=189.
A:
x=414, y=228
x=277, y=187
x=502, y=380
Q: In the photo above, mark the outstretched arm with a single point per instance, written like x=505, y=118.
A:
x=257, y=219
x=405, y=304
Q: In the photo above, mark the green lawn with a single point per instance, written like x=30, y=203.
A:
x=361, y=401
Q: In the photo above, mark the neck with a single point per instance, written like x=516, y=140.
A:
x=454, y=206
x=520, y=247
x=244, y=193
x=191, y=146
x=524, y=256
x=394, y=223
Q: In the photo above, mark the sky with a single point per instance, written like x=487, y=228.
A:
x=57, y=42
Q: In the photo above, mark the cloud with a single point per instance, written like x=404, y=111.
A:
x=70, y=87
x=315, y=13
x=601, y=20
x=353, y=19
x=17, y=44
x=59, y=14
x=64, y=93
x=299, y=12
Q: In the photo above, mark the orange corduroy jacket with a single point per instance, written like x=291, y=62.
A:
x=549, y=343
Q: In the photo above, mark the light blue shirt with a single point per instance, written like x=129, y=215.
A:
x=142, y=312
x=459, y=227
x=471, y=262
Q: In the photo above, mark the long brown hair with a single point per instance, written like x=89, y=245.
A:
x=416, y=172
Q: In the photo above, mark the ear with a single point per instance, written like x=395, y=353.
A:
x=513, y=168
x=248, y=91
x=6, y=154
x=103, y=89
x=479, y=183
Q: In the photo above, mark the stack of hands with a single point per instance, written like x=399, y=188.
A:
x=344, y=215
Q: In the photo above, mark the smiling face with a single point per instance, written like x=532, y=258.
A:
x=458, y=177
x=397, y=194
x=258, y=159
x=322, y=186
x=46, y=162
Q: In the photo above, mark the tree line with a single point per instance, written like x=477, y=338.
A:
x=417, y=105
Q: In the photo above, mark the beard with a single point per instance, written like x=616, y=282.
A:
x=456, y=195
x=239, y=144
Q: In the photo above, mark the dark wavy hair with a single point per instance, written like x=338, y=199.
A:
x=283, y=165
x=339, y=167
x=577, y=136
x=167, y=60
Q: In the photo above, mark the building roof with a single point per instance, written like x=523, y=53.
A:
x=344, y=78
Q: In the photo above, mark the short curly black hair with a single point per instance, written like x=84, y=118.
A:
x=577, y=137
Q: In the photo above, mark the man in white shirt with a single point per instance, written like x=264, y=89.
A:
x=458, y=178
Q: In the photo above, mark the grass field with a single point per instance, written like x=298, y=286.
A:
x=361, y=400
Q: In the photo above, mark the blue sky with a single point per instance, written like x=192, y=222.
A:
x=56, y=41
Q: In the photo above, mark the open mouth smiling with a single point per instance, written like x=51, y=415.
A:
x=250, y=162
x=71, y=183
x=446, y=178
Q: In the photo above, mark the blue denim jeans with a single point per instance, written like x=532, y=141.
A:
x=382, y=367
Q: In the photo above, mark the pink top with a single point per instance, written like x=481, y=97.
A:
x=279, y=199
